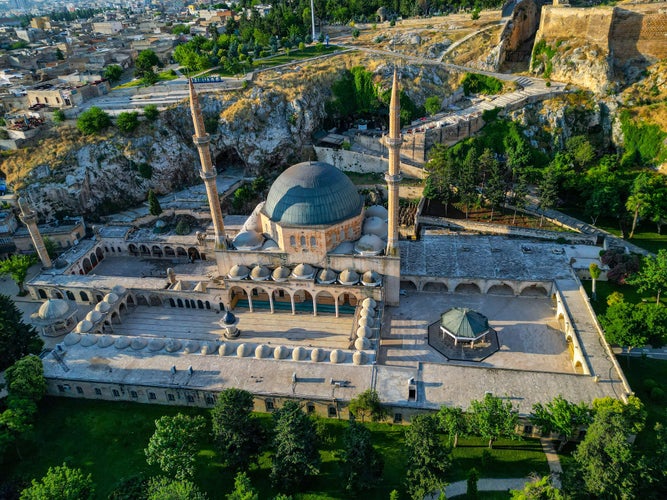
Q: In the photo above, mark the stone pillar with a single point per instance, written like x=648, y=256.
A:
x=29, y=218
x=208, y=172
x=393, y=175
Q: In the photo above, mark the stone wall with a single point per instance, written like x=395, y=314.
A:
x=639, y=31
x=352, y=161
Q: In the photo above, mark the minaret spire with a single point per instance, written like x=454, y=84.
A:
x=29, y=218
x=208, y=172
x=393, y=175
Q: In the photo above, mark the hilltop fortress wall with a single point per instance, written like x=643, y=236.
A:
x=599, y=40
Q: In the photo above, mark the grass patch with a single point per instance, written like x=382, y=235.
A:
x=638, y=371
x=107, y=439
x=359, y=179
x=606, y=288
x=163, y=76
x=508, y=458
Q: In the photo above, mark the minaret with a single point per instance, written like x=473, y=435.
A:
x=207, y=172
x=393, y=175
x=29, y=218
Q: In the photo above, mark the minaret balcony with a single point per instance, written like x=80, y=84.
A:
x=208, y=174
x=392, y=179
x=201, y=140
x=393, y=142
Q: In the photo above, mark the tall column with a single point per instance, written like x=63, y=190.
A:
x=29, y=218
x=207, y=172
x=393, y=175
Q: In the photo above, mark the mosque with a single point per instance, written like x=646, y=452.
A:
x=313, y=297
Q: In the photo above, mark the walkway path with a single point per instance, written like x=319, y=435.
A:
x=552, y=460
x=485, y=484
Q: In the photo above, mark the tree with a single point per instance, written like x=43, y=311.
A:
x=639, y=199
x=428, y=457
x=473, y=477
x=237, y=432
x=652, y=275
x=162, y=488
x=127, y=121
x=475, y=14
x=605, y=464
x=622, y=326
x=538, y=489
x=432, y=105
x=16, y=420
x=295, y=443
x=63, y=483
x=243, y=489
x=362, y=464
x=368, y=403
x=59, y=54
x=493, y=418
x=496, y=187
x=93, y=121
x=146, y=61
x=25, y=378
x=153, y=203
x=59, y=116
x=562, y=417
x=519, y=194
x=548, y=191
x=151, y=112
x=595, y=272
x=113, y=73
x=173, y=446
x=441, y=170
x=16, y=338
x=466, y=181
x=453, y=423
x=17, y=267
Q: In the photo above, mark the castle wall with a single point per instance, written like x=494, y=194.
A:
x=639, y=31
x=590, y=24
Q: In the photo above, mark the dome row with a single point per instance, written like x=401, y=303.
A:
x=240, y=350
x=304, y=272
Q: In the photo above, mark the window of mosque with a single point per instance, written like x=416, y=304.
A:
x=61, y=388
x=98, y=391
x=342, y=235
x=191, y=399
x=398, y=418
x=292, y=241
x=332, y=412
x=313, y=242
x=171, y=397
x=303, y=241
x=333, y=238
x=269, y=405
x=151, y=395
x=310, y=408
x=210, y=400
x=116, y=394
x=133, y=394
x=350, y=234
x=79, y=389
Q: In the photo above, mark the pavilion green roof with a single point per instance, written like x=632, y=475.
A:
x=464, y=323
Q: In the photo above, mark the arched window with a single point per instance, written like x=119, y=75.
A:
x=342, y=235
x=303, y=241
x=350, y=234
x=313, y=241
x=292, y=241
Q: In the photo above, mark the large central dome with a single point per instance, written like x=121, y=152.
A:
x=312, y=193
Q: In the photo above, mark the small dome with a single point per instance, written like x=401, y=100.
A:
x=260, y=273
x=345, y=248
x=303, y=272
x=242, y=350
x=248, y=240
x=191, y=346
x=84, y=326
x=362, y=343
x=337, y=356
x=298, y=354
x=280, y=352
x=122, y=343
x=366, y=321
x=358, y=358
x=367, y=311
x=156, y=345
x=208, y=348
x=376, y=226
x=371, y=278
x=369, y=302
x=369, y=244
x=138, y=344
x=270, y=245
x=312, y=193
x=348, y=277
x=105, y=341
x=172, y=345
x=103, y=307
x=315, y=355
x=327, y=277
x=377, y=211
x=224, y=349
x=55, y=309
x=262, y=351
x=281, y=273
x=364, y=332
x=72, y=338
x=118, y=290
x=111, y=298
x=238, y=273
x=88, y=339
x=229, y=318
x=94, y=316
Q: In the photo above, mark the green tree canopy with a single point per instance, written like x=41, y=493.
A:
x=361, y=463
x=243, y=489
x=162, y=488
x=154, y=207
x=368, y=404
x=562, y=417
x=146, y=61
x=173, y=446
x=295, y=444
x=25, y=378
x=63, y=483
x=92, y=121
x=652, y=275
x=17, y=339
x=432, y=105
x=127, y=121
x=238, y=434
x=17, y=266
x=428, y=457
x=453, y=423
x=113, y=73
x=540, y=488
x=622, y=325
x=151, y=112
x=493, y=418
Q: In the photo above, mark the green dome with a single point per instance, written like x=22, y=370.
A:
x=311, y=194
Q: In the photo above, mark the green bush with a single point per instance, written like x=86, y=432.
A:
x=211, y=124
x=93, y=121
x=182, y=228
x=643, y=142
x=127, y=121
x=151, y=112
x=481, y=84
x=649, y=384
x=145, y=170
x=657, y=394
x=58, y=116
